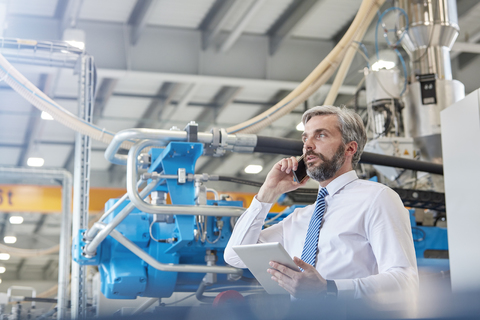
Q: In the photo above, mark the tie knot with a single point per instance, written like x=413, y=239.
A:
x=322, y=193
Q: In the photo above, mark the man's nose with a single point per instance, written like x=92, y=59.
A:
x=307, y=145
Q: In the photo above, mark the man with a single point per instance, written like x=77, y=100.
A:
x=365, y=246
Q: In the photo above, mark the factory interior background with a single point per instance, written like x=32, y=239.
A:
x=161, y=64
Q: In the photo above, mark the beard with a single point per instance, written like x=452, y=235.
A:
x=328, y=167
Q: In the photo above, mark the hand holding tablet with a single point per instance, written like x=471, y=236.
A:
x=257, y=257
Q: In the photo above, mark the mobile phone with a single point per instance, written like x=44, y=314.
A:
x=300, y=174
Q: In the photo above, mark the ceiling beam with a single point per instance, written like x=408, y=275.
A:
x=104, y=92
x=70, y=14
x=284, y=26
x=222, y=100
x=151, y=117
x=182, y=103
x=49, y=269
x=40, y=223
x=157, y=106
x=241, y=25
x=139, y=18
x=464, y=9
x=214, y=80
x=20, y=266
x=215, y=21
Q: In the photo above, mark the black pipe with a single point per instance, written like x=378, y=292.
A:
x=293, y=147
x=259, y=184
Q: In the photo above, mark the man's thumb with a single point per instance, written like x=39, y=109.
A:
x=300, y=263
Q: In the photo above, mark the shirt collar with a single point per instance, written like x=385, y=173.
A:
x=340, y=182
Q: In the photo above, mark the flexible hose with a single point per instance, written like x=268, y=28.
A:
x=365, y=15
x=346, y=63
x=308, y=86
x=41, y=101
x=27, y=253
x=259, y=184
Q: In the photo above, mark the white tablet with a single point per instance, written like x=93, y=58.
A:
x=257, y=258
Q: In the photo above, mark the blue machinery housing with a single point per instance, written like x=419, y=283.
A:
x=188, y=239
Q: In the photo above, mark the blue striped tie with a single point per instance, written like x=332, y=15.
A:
x=310, y=247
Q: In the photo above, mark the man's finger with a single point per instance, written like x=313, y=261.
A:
x=302, y=264
x=283, y=269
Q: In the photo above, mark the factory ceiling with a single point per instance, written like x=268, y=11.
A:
x=164, y=63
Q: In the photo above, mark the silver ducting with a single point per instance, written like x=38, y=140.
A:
x=432, y=30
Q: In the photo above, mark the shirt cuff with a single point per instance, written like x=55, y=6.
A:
x=345, y=289
x=261, y=208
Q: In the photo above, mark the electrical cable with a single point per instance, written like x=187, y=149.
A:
x=259, y=184
x=423, y=235
x=218, y=238
x=385, y=33
x=157, y=240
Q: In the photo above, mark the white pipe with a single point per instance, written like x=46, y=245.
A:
x=161, y=136
x=141, y=205
x=365, y=15
x=91, y=247
x=40, y=100
x=170, y=266
x=147, y=304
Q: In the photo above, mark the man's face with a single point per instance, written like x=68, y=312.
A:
x=323, y=147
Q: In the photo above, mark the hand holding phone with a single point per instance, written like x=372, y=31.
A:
x=300, y=174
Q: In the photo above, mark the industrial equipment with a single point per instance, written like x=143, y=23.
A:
x=167, y=237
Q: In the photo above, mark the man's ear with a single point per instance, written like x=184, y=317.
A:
x=351, y=148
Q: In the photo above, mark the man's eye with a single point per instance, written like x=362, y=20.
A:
x=320, y=135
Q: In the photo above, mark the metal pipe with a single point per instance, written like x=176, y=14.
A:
x=65, y=248
x=138, y=201
x=147, y=304
x=92, y=232
x=91, y=248
x=167, y=266
x=66, y=230
x=154, y=134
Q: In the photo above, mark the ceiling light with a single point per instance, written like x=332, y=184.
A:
x=4, y=256
x=16, y=220
x=300, y=127
x=35, y=162
x=386, y=59
x=75, y=38
x=46, y=116
x=3, y=269
x=0, y=280
x=382, y=64
x=9, y=239
x=78, y=44
x=253, y=168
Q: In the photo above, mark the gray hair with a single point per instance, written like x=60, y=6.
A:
x=350, y=125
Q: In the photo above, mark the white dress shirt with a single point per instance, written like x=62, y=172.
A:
x=365, y=243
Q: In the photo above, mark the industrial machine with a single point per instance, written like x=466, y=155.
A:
x=164, y=236
x=152, y=249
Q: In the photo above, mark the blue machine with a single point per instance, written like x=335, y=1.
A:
x=169, y=239
x=183, y=239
